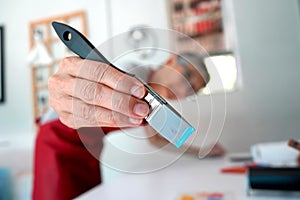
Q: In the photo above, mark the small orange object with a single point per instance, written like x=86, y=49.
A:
x=237, y=170
x=187, y=197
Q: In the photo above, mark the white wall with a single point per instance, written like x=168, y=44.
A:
x=268, y=33
x=151, y=13
x=16, y=114
x=267, y=107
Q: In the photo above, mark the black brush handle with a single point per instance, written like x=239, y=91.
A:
x=80, y=45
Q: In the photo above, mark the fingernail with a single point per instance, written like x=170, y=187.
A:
x=137, y=91
x=135, y=121
x=141, y=109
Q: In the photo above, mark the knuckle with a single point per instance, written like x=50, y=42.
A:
x=99, y=71
x=55, y=103
x=107, y=118
x=122, y=79
x=99, y=94
x=67, y=65
x=112, y=119
x=100, y=115
x=60, y=106
x=52, y=82
x=86, y=112
x=57, y=84
x=65, y=62
x=56, y=92
x=121, y=104
x=88, y=91
x=118, y=105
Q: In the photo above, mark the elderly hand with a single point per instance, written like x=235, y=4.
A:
x=86, y=93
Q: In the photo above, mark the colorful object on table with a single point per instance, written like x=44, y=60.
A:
x=203, y=196
x=239, y=169
x=235, y=170
x=274, y=153
x=187, y=197
x=294, y=144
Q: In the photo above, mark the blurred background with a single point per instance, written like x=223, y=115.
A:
x=263, y=37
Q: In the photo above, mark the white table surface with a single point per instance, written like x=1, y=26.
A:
x=187, y=175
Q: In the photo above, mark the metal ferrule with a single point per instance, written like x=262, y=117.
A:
x=154, y=105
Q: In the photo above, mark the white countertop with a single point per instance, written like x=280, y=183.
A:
x=188, y=175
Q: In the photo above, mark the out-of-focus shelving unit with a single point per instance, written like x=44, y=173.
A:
x=56, y=50
x=200, y=20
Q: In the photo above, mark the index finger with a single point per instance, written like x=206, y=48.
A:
x=104, y=74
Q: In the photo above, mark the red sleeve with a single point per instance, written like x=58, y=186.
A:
x=63, y=167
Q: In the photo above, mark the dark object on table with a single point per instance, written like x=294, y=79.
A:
x=274, y=178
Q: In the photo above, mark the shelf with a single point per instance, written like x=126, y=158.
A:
x=195, y=16
x=200, y=20
x=41, y=74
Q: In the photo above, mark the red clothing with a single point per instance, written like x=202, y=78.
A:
x=63, y=167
